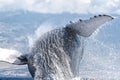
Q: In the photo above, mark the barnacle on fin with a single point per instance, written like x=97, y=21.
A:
x=71, y=22
x=104, y=15
x=95, y=16
x=80, y=19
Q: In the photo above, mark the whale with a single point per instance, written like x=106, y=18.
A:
x=55, y=54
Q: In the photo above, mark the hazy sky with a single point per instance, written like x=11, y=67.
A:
x=59, y=6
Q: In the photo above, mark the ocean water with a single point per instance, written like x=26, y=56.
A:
x=12, y=78
x=19, y=30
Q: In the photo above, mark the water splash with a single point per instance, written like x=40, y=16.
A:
x=43, y=28
x=101, y=54
x=100, y=59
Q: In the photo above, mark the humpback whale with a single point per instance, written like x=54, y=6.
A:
x=55, y=54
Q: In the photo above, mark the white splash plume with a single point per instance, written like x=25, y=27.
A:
x=43, y=28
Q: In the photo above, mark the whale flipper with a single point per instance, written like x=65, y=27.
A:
x=12, y=57
x=86, y=27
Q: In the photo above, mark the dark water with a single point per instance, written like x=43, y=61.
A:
x=12, y=78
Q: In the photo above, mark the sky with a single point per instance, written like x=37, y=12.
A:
x=61, y=6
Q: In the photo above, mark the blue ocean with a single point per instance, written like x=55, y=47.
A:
x=101, y=59
x=13, y=78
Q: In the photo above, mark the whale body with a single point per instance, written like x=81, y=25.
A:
x=55, y=54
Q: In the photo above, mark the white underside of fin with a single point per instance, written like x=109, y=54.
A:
x=9, y=55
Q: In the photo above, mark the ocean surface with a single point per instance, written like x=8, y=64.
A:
x=13, y=78
x=101, y=59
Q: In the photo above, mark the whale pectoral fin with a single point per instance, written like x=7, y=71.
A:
x=12, y=57
x=86, y=27
x=21, y=60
